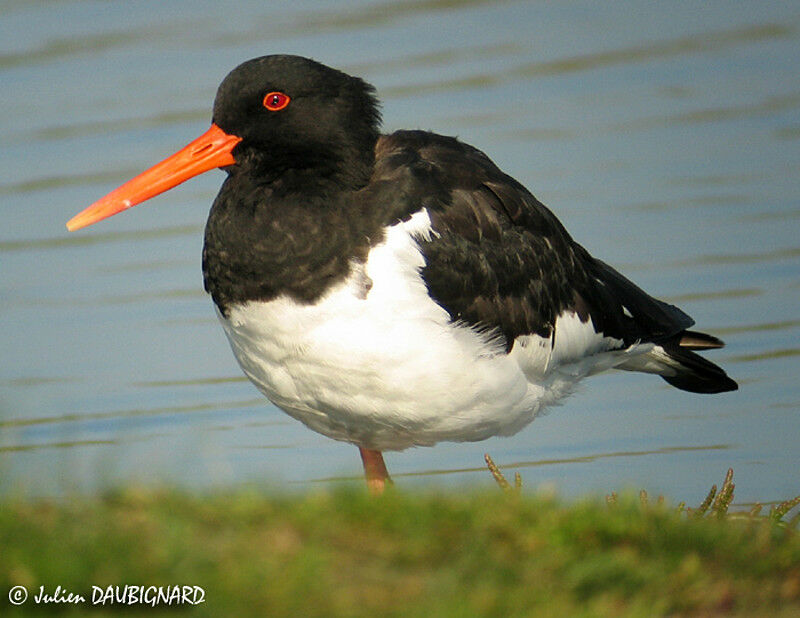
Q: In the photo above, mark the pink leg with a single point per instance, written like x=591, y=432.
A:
x=374, y=471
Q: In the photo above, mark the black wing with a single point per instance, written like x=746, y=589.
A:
x=500, y=259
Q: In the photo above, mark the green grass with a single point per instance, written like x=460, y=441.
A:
x=341, y=552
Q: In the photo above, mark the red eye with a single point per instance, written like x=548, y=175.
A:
x=276, y=101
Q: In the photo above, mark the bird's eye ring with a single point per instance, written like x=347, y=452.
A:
x=276, y=101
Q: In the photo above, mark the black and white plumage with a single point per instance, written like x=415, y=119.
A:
x=399, y=290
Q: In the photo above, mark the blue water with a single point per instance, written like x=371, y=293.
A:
x=666, y=138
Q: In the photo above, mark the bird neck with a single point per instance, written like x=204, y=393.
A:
x=265, y=240
x=311, y=168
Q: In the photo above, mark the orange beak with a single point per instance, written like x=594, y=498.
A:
x=210, y=150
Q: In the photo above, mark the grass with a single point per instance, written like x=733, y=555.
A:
x=341, y=552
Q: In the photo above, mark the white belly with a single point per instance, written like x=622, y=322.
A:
x=376, y=362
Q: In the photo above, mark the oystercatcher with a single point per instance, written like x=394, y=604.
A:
x=399, y=290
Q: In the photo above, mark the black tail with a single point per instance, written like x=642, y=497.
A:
x=692, y=340
x=628, y=313
x=691, y=372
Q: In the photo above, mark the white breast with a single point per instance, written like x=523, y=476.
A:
x=376, y=362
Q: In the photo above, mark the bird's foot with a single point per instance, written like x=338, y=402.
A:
x=375, y=471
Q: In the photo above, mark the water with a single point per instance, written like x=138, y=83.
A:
x=666, y=139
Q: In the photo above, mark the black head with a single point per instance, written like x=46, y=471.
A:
x=281, y=120
x=293, y=113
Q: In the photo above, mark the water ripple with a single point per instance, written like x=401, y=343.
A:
x=191, y=382
x=436, y=58
x=82, y=240
x=546, y=462
x=713, y=295
x=68, y=46
x=701, y=43
x=48, y=445
x=136, y=412
x=107, y=127
x=751, y=328
x=767, y=106
x=741, y=258
x=766, y=355
x=56, y=182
